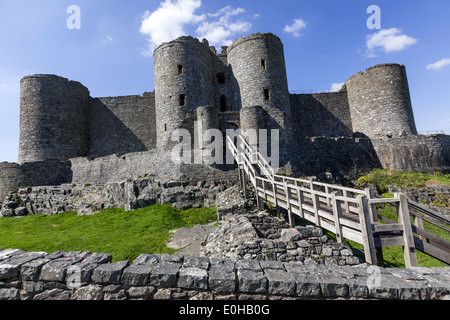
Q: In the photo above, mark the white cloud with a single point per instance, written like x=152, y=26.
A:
x=295, y=28
x=221, y=31
x=389, y=40
x=172, y=18
x=336, y=86
x=169, y=20
x=439, y=64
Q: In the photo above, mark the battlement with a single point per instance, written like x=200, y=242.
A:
x=264, y=36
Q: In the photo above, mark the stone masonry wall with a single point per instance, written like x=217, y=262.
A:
x=419, y=153
x=54, y=119
x=14, y=176
x=122, y=124
x=321, y=114
x=92, y=276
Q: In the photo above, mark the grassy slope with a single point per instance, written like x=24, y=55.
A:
x=123, y=234
x=382, y=179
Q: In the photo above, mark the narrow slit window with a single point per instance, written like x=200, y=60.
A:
x=263, y=64
x=266, y=94
x=223, y=103
x=182, y=99
x=180, y=69
x=165, y=127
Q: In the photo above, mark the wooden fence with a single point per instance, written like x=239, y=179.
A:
x=349, y=213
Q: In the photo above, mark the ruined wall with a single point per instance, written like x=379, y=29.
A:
x=418, y=153
x=321, y=114
x=122, y=124
x=54, y=119
x=341, y=156
x=14, y=176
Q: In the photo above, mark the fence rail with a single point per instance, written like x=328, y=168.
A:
x=349, y=213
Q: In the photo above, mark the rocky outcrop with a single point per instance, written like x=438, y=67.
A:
x=130, y=194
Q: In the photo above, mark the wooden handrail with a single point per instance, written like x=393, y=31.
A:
x=347, y=212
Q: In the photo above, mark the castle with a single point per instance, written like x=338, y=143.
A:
x=67, y=136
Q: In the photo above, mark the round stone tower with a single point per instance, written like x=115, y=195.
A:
x=54, y=119
x=258, y=65
x=380, y=102
x=183, y=82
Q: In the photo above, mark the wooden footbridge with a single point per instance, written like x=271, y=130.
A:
x=349, y=213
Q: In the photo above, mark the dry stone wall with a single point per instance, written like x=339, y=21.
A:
x=92, y=276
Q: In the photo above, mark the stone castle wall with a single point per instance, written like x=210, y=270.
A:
x=14, y=176
x=122, y=124
x=54, y=119
x=380, y=101
x=417, y=153
x=183, y=82
x=245, y=86
x=321, y=115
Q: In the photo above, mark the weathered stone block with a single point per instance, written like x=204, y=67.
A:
x=196, y=262
x=251, y=281
x=55, y=294
x=55, y=270
x=9, y=294
x=193, y=278
x=165, y=274
x=279, y=282
x=307, y=286
x=109, y=273
x=90, y=292
x=30, y=271
x=136, y=275
x=141, y=292
x=147, y=259
x=8, y=271
x=222, y=276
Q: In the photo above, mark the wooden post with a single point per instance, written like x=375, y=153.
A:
x=366, y=230
x=300, y=201
x=316, y=205
x=274, y=188
x=409, y=249
x=327, y=191
x=244, y=182
x=418, y=222
x=337, y=212
x=374, y=219
x=346, y=203
x=288, y=199
x=240, y=176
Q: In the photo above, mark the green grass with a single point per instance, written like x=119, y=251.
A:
x=385, y=178
x=123, y=234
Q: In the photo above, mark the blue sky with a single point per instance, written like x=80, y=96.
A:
x=325, y=43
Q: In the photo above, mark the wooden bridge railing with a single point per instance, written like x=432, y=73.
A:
x=349, y=213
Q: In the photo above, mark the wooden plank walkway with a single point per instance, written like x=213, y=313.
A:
x=349, y=213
